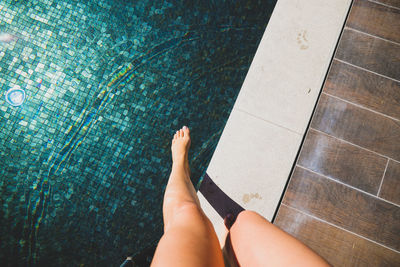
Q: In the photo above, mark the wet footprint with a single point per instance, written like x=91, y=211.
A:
x=302, y=40
x=247, y=197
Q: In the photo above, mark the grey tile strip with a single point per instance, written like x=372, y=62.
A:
x=350, y=186
x=371, y=35
x=339, y=227
x=361, y=106
x=383, y=4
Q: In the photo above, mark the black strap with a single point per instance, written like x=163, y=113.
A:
x=220, y=201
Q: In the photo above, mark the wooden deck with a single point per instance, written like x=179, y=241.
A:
x=343, y=198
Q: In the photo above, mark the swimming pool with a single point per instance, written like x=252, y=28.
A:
x=85, y=158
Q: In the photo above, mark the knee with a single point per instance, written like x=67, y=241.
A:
x=248, y=217
x=190, y=215
x=190, y=212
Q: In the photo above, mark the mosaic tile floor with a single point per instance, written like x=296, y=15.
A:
x=85, y=158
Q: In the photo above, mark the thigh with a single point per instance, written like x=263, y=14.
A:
x=257, y=242
x=189, y=241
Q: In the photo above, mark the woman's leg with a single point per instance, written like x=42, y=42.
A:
x=189, y=238
x=257, y=242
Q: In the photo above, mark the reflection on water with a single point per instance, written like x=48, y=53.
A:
x=85, y=157
x=15, y=96
x=7, y=37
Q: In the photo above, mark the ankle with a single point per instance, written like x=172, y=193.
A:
x=178, y=161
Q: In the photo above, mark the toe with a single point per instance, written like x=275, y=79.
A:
x=180, y=133
x=185, y=130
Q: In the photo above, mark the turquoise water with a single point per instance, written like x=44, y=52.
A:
x=85, y=157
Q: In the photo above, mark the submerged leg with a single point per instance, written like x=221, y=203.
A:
x=257, y=242
x=189, y=238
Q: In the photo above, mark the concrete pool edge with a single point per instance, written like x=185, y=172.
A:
x=259, y=144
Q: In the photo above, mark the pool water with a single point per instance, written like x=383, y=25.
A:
x=85, y=158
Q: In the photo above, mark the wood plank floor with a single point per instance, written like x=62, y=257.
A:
x=343, y=197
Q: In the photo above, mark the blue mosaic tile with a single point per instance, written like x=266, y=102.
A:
x=85, y=158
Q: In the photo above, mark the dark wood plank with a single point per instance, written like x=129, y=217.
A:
x=358, y=126
x=338, y=247
x=391, y=183
x=375, y=19
x=393, y=3
x=369, y=52
x=364, y=88
x=341, y=161
x=343, y=206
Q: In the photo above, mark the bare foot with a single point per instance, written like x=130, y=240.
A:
x=180, y=148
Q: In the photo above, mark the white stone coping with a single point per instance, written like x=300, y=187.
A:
x=260, y=141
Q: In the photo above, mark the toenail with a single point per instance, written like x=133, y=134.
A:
x=184, y=127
